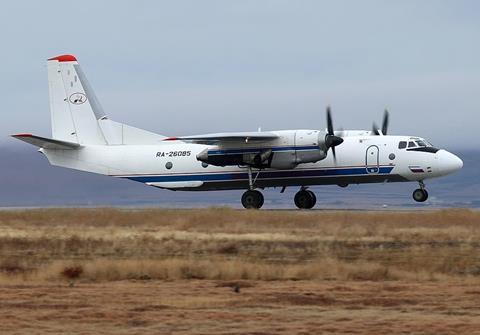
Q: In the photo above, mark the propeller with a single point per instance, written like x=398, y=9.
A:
x=331, y=141
x=384, y=125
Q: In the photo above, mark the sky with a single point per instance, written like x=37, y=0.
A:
x=191, y=67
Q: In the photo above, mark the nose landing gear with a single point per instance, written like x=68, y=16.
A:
x=420, y=194
x=305, y=199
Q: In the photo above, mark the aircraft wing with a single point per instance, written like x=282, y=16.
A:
x=46, y=143
x=227, y=137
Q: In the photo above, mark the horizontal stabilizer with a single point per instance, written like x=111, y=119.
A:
x=46, y=143
x=227, y=137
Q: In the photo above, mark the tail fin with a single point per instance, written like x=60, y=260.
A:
x=77, y=115
x=73, y=105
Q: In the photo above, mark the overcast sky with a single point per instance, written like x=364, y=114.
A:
x=186, y=67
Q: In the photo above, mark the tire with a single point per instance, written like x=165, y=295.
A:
x=252, y=199
x=314, y=199
x=305, y=199
x=420, y=195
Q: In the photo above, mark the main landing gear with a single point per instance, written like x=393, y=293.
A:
x=252, y=199
x=420, y=194
x=305, y=199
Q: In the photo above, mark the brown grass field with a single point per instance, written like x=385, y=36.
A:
x=225, y=271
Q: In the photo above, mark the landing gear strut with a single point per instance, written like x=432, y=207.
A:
x=252, y=199
x=420, y=194
x=305, y=199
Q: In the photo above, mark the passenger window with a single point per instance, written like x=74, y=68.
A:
x=402, y=145
x=411, y=144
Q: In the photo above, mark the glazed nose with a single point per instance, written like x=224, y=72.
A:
x=448, y=162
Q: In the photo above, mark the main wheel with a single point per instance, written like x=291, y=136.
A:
x=420, y=195
x=252, y=199
x=314, y=198
x=305, y=199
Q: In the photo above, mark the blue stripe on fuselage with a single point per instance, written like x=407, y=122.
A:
x=262, y=175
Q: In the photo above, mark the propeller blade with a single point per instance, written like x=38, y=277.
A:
x=375, y=129
x=385, y=122
x=329, y=121
x=331, y=140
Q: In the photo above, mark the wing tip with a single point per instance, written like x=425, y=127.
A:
x=64, y=58
x=22, y=135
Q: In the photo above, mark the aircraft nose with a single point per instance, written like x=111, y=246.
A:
x=448, y=162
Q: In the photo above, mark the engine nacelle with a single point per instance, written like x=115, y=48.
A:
x=286, y=152
x=307, y=147
x=260, y=158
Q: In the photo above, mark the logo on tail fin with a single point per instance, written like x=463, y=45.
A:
x=77, y=98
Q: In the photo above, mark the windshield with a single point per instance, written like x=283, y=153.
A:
x=421, y=143
x=417, y=144
x=414, y=142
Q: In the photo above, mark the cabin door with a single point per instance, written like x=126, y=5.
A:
x=371, y=160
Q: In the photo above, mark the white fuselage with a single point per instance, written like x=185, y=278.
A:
x=361, y=158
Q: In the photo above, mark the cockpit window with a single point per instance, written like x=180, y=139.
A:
x=421, y=143
x=402, y=145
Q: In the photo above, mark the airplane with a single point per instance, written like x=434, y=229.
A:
x=85, y=138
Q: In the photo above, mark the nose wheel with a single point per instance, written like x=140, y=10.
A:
x=252, y=199
x=305, y=199
x=420, y=194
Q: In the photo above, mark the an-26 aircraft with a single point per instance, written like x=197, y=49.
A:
x=84, y=138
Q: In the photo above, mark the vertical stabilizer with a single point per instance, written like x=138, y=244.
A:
x=73, y=105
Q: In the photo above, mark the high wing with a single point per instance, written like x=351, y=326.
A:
x=226, y=137
x=46, y=143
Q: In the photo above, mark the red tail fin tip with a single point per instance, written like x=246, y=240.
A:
x=64, y=58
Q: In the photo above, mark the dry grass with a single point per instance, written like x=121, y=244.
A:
x=217, y=269
x=223, y=271
x=110, y=244
x=259, y=307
